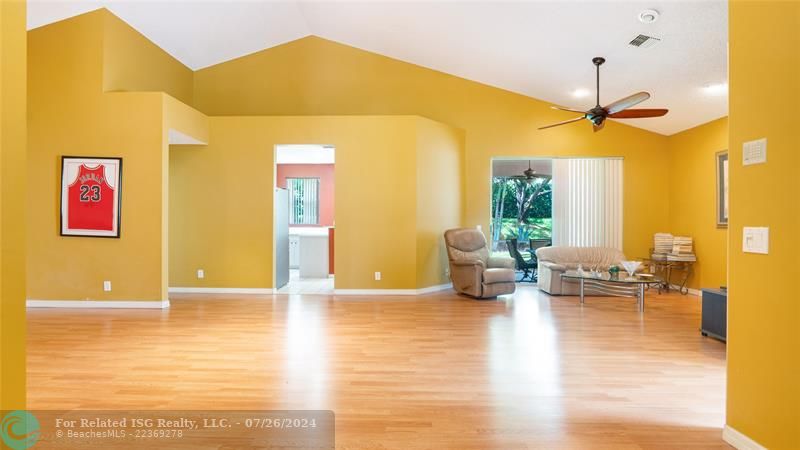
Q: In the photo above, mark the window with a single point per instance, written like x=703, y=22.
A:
x=303, y=201
x=587, y=202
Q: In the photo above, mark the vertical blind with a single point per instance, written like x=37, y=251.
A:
x=303, y=201
x=587, y=202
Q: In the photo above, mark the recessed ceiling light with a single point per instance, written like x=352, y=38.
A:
x=648, y=16
x=580, y=93
x=716, y=88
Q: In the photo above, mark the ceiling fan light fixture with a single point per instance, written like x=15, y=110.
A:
x=529, y=173
x=715, y=88
x=648, y=16
x=581, y=93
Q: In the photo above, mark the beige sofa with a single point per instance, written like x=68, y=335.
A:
x=472, y=270
x=553, y=261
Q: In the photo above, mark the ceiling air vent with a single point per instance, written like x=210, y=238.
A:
x=644, y=41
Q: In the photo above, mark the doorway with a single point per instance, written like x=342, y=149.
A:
x=522, y=200
x=304, y=212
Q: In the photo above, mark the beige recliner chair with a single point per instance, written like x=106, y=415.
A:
x=472, y=270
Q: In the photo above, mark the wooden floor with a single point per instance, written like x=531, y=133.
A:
x=436, y=371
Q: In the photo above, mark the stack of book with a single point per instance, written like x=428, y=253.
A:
x=663, y=246
x=682, y=250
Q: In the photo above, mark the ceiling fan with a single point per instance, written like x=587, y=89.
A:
x=617, y=110
x=528, y=174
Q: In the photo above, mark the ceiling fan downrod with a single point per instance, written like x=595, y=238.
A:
x=598, y=61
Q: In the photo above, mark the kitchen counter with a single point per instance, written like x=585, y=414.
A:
x=308, y=231
x=312, y=251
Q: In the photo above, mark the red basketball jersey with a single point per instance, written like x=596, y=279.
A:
x=91, y=200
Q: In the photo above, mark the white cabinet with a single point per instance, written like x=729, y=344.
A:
x=308, y=251
x=314, y=256
x=294, y=251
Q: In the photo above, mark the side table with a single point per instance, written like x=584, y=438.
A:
x=666, y=268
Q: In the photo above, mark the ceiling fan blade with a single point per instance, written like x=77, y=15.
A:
x=626, y=102
x=562, y=123
x=562, y=108
x=639, y=113
x=523, y=177
x=599, y=127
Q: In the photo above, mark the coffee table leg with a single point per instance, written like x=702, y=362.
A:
x=581, y=291
x=641, y=297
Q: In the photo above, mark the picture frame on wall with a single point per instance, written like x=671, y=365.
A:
x=723, y=201
x=91, y=196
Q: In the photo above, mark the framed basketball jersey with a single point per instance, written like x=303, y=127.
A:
x=90, y=196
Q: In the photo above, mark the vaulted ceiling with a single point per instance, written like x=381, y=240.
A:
x=539, y=49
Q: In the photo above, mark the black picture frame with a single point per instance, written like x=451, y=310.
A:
x=66, y=163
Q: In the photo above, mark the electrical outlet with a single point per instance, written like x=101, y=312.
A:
x=377, y=276
x=107, y=286
x=201, y=273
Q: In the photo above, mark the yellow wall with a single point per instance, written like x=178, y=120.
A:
x=440, y=205
x=190, y=122
x=692, y=199
x=131, y=62
x=68, y=72
x=185, y=119
x=72, y=62
x=313, y=76
x=70, y=115
x=12, y=204
x=221, y=198
x=763, y=399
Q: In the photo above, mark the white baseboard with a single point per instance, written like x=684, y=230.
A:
x=432, y=289
x=739, y=440
x=123, y=304
x=212, y=290
x=393, y=292
x=695, y=292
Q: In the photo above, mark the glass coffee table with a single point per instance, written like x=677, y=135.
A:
x=617, y=285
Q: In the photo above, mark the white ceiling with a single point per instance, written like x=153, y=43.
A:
x=305, y=154
x=536, y=48
x=515, y=167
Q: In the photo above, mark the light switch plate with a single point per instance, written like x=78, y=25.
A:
x=107, y=286
x=755, y=240
x=754, y=152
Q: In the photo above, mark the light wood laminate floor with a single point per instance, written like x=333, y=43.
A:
x=435, y=371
